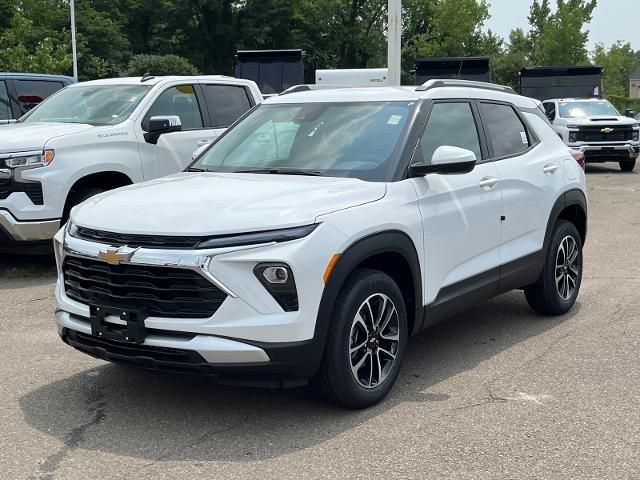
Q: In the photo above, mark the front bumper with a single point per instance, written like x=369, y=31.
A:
x=249, y=335
x=14, y=232
x=608, y=152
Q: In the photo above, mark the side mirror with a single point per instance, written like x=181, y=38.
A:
x=629, y=113
x=446, y=160
x=160, y=125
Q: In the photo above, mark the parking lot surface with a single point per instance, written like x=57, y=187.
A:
x=497, y=392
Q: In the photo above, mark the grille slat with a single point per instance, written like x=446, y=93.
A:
x=135, y=241
x=162, y=292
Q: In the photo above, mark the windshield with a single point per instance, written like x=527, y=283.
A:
x=94, y=105
x=334, y=139
x=587, y=109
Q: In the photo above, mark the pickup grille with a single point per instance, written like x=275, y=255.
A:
x=158, y=291
x=135, y=241
x=595, y=134
x=32, y=189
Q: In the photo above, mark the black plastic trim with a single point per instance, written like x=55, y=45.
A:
x=570, y=198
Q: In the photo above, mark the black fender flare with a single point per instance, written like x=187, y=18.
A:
x=568, y=199
x=392, y=241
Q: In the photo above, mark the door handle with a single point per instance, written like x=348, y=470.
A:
x=550, y=168
x=201, y=143
x=487, y=183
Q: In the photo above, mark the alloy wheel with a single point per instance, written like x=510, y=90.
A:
x=567, y=267
x=374, y=340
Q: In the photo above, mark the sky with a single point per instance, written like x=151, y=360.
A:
x=612, y=20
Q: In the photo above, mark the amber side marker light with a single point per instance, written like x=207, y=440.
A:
x=330, y=265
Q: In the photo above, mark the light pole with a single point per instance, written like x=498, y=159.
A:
x=73, y=39
x=394, y=37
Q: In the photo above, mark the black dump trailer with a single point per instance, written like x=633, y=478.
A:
x=273, y=70
x=544, y=83
x=461, y=68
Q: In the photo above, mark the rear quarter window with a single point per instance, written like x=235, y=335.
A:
x=5, y=110
x=32, y=92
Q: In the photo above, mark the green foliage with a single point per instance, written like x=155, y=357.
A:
x=622, y=102
x=159, y=65
x=618, y=63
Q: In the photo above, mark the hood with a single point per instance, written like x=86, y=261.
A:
x=201, y=204
x=21, y=137
x=604, y=120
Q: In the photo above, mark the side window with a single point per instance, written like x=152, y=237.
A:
x=180, y=101
x=32, y=92
x=550, y=110
x=507, y=132
x=5, y=109
x=226, y=103
x=450, y=124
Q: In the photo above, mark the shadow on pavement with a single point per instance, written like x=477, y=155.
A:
x=612, y=167
x=154, y=416
x=26, y=269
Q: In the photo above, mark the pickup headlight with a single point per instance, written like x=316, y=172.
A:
x=636, y=135
x=573, y=137
x=31, y=160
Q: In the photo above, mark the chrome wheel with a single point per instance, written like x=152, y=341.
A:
x=567, y=267
x=373, y=340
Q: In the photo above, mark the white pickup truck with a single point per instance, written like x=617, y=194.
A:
x=104, y=134
x=597, y=129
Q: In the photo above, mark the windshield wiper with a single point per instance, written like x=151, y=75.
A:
x=194, y=169
x=282, y=171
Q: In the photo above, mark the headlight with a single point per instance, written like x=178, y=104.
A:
x=70, y=228
x=34, y=160
x=636, y=135
x=573, y=137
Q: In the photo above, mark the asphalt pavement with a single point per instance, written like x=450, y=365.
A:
x=495, y=393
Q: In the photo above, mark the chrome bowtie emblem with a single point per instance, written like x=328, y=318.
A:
x=115, y=256
x=607, y=130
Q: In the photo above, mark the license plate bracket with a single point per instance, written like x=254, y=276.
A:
x=131, y=329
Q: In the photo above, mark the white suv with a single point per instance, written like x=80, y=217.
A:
x=99, y=135
x=314, y=237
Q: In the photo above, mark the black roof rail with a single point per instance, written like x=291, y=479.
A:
x=463, y=83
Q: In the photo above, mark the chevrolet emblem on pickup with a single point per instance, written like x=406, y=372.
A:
x=607, y=130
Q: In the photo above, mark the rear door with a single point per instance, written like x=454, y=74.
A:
x=174, y=150
x=531, y=177
x=225, y=104
x=461, y=212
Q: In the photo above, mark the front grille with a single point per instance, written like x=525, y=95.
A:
x=135, y=241
x=595, y=134
x=32, y=189
x=162, y=358
x=157, y=291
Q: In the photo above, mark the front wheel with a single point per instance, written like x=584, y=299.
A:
x=628, y=166
x=557, y=288
x=366, y=341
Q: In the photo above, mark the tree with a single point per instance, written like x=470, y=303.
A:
x=159, y=65
x=618, y=63
x=563, y=40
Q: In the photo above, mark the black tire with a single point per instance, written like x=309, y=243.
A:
x=547, y=296
x=335, y=378
x=628, y=166
x=76, y=198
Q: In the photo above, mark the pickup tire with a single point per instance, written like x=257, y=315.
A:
x=76, y=198
x=557, y=288
x=628, y=166
x=366, y=342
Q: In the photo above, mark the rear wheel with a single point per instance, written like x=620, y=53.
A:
x=628, y=166
x=366, y=341
x=557, y=289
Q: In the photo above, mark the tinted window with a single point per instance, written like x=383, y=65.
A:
x=508, y=133
x=32, y=92
x=550, y=110
x=180, y=101
x=450, y=124
x=226, y=103
x=5, y=110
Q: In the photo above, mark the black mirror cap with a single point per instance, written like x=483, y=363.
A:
x=157, y=126
x=422, y=169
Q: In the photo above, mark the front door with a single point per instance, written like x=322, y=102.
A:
x=461, y=213
x=174, y=151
